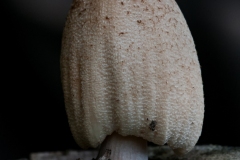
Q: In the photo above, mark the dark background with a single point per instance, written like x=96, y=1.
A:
x=32, y=113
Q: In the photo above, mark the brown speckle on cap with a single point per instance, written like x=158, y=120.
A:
x=152, y=125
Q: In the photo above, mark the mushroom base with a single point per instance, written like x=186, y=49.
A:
x=117, y=147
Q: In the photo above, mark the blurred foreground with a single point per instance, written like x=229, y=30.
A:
x=206, y=152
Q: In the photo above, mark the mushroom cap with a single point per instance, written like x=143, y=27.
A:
x=131, y=67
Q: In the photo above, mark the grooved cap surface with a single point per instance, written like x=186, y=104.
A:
x=131, y=67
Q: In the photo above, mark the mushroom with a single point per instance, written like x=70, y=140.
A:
x=131, y=74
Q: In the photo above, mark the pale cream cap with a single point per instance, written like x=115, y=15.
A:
x=131, y=67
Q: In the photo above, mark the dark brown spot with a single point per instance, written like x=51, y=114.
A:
x=122, y=3
x=128, y=12
x=152, y=125
x=121, y=33
x=107, y=18
x=82, y=11
x=139, y=21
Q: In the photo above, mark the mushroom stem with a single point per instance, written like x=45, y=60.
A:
x=120, y=147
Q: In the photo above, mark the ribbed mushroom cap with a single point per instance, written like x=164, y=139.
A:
x=131, y=67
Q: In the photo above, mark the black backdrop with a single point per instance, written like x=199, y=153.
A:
x=32, y=115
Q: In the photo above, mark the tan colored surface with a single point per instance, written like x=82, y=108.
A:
x=131, y=67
